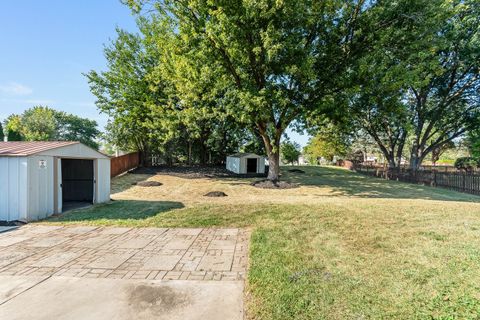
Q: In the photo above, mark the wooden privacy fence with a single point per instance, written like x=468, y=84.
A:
x=468, y=182
x=124, y=163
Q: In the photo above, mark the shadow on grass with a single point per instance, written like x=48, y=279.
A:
x=118, y=210
x=347, y=183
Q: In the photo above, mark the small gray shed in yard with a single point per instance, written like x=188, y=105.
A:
x=246, y=163
x=38, y=179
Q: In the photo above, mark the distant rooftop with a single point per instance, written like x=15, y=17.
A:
x=27, y=148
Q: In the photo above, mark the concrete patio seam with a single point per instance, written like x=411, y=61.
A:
x=30, y=287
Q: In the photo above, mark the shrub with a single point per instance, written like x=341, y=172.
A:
x=466, y=163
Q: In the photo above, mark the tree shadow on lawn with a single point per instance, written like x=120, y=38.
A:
x=347, y=183
x=118, y=210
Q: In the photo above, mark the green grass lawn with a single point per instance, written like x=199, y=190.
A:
x=343, y=246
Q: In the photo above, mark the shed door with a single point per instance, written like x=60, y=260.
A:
x=77, y=180
x=252, y=165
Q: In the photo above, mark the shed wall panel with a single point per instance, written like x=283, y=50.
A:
x=13, y=188
x=58, y=186
x=23, y=189
x=41, y=185
x=261, y=165
x=4, y=197
x=103, y=180
x=233, y=164
x=243, y=164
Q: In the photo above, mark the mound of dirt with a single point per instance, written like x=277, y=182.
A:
x=215, y=194
x=147, y=184
x=296, y=171
x=268, y=184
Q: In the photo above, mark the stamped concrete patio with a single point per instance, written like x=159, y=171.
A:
x=208, y=265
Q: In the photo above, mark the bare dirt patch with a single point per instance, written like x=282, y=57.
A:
x=193, y=172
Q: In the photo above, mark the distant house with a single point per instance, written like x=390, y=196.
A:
x=41, y=178
x=246, y=163
x=302, y=160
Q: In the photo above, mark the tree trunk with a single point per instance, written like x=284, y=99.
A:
x=189, y=157
x=417, y=151
x=144, y=157
x=415, y=159
x=273, y=166
x=399, y=161
x=414, y=162
x=391, y=164
x=273, y=152
x=391, y=169
x=203, y=153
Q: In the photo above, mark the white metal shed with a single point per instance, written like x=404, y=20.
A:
x=246, y=163
x=38, y=179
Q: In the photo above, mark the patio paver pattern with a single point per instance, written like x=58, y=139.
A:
x=125, y=253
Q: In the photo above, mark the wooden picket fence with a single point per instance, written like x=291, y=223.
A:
x=121, y=164
x=468, y=182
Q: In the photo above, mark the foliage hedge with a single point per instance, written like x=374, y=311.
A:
x=467, y=163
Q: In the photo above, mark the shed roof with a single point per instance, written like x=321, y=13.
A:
x=243, y=154
x=27, y=148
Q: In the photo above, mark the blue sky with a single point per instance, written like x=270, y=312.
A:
x=45, y=46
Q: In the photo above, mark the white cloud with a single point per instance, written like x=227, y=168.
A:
x=16, y=89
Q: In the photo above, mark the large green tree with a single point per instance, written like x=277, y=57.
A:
x=46, y=124
x=70, y=127
x=123, y=92
x=472, y=142
x=139, y=92
x=13, y=128
x=417, y=81
x=290, y=151
x=274, y=61
x=386, y=55
x=445, y=99
x=328, y=142
x=39, y=124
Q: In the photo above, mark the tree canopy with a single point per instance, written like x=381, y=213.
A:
x=327, y=143
x=268, y=63
x=45, y=124
x=419, y=81
x=290, y=152
x=140, y=92
x=202, y=78
x=13, y=127
x=473, y=142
